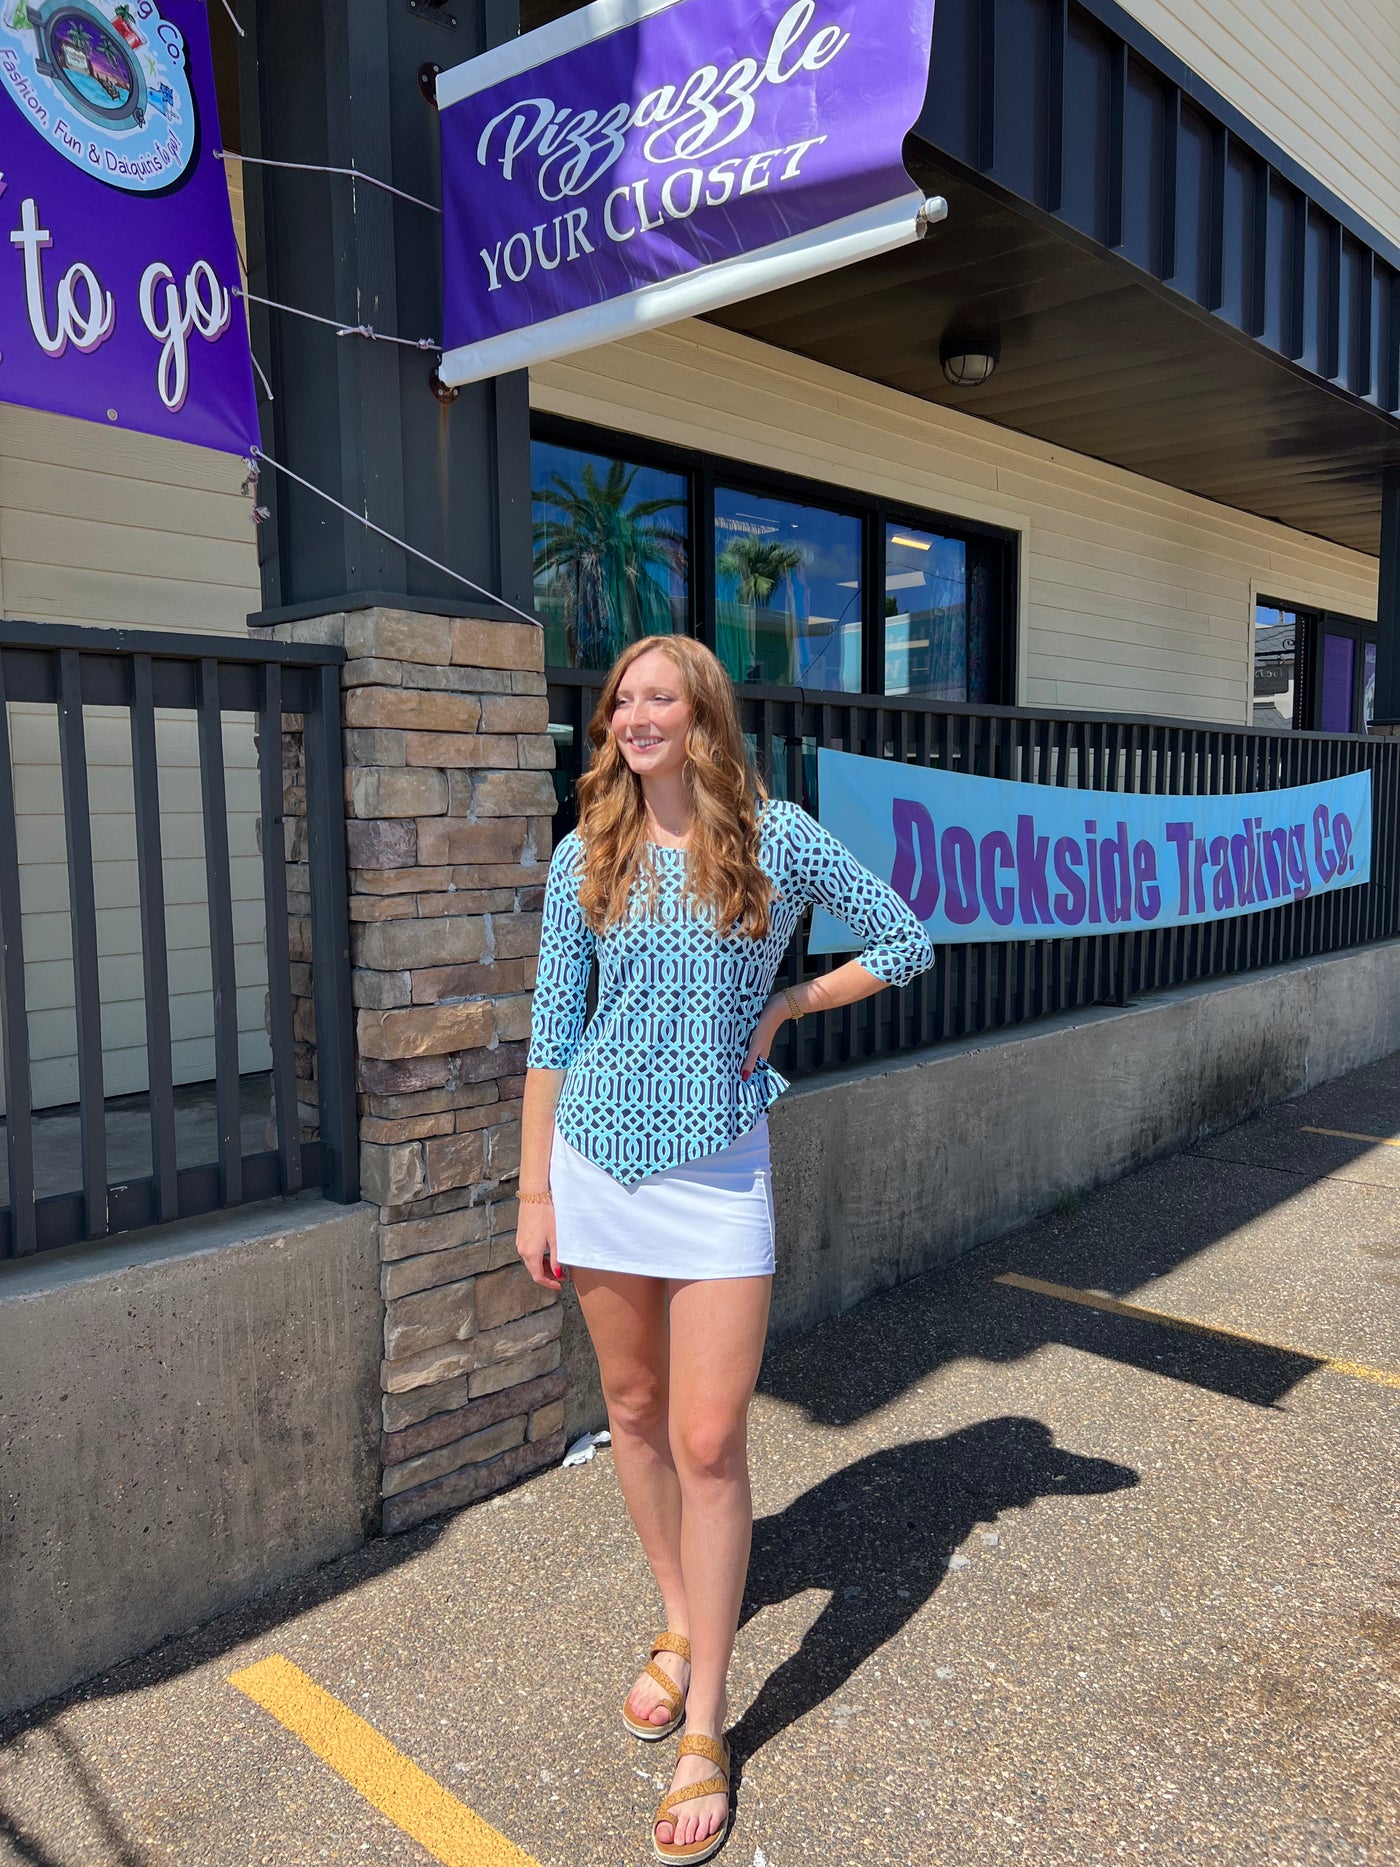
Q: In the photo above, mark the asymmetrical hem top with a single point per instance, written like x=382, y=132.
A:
x=653, y=1080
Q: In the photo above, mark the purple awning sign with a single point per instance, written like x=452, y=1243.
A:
x=641, y=161
x=120, y=268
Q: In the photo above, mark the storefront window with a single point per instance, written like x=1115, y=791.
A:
x=612, y=553
x=939, y=605
x=1275, y=665
x=787, y=584
x=788, y=592
x=1313, y=669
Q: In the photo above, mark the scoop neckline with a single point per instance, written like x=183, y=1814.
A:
x=671, y=849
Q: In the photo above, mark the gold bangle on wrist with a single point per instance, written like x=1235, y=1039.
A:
x=535, y=1199
x=793, y=1006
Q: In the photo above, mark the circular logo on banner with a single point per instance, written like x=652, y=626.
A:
x=105, y=84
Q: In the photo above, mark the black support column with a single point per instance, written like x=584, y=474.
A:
x=342, y=83
x=1388, y=605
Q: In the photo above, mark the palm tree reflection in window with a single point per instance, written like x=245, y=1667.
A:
x=759, y=567
x=607, y=566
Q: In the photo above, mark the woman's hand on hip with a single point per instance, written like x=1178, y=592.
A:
x=772, y=1018
x=537, y=1245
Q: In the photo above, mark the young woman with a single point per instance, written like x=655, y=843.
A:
x=644, y=1164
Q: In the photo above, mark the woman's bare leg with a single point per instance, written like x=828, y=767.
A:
x=626, y=1319
x=717, y=1334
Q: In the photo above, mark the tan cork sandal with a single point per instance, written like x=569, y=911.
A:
x=675, y=1698
x=718, y=1754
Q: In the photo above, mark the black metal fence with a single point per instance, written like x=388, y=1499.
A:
x=980, y=987
x=188, y=1164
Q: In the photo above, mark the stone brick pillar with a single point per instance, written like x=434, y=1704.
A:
x=450, y=801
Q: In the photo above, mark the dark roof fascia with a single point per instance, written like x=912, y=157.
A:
x=1153, y=52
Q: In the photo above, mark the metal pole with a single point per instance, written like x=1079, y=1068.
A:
x=330, y=940
x=1388, y=605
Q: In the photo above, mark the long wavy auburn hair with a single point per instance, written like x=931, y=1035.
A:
x=722, y=867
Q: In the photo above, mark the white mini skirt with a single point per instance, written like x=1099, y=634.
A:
x=711, y=1217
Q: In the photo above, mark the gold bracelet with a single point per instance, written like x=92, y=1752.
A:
x=535, y=1199
x=792, y=1004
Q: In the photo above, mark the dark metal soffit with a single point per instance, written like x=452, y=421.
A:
x=1046, y=100
x=1172, y=292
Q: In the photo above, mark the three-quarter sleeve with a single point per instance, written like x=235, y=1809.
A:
x=566, y=955
x=897, y=949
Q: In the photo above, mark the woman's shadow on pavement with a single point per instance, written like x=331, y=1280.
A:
x=878, y=1535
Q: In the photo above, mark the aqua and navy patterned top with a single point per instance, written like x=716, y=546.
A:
x=654, y=1080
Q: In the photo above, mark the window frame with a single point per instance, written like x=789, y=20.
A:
x=1313, y=624
x=705, y=471
x=1005, y=635
x=746, y=486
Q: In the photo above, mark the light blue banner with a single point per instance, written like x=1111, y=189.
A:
x=984, y=859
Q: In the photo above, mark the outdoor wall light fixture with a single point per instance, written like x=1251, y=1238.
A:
x=969, y=361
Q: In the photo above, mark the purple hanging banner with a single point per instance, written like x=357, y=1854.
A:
x=641, y=161
x=120, y=266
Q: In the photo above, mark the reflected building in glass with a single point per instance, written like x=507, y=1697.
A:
x=1275, y=666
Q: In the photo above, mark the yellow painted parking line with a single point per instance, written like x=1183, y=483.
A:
x=450, y=1831
x=1344, y=1134
x=1090, y=1299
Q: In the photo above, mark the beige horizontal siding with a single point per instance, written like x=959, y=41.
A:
x=109, y=528
x=1322, y=80
x=1136, y=598
x=115, y=529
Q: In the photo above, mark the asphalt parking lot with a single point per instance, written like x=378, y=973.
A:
x=1086, y=1550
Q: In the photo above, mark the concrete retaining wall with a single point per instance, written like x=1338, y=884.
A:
x=889, y=1170
x=186, y=1420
